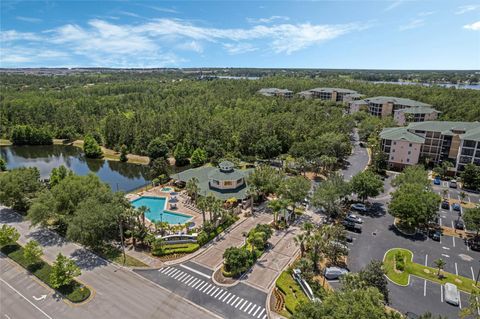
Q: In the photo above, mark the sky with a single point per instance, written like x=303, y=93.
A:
x=355, y=34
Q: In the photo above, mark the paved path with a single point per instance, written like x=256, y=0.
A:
x=358, y=160
x=119, y=292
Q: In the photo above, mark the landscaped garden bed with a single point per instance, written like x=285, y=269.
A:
x=399, y=266
x=74, y=292
x=291, y=291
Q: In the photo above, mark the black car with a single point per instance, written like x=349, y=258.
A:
x=435, y=235
x=459, y=224
x=351, y=226
x=445, y=205
x=349, y=239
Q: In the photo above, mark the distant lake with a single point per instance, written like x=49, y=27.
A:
x=445, y=85
x=125, y=176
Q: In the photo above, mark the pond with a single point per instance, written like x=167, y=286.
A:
x=120, y=176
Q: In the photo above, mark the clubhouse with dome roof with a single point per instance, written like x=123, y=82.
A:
x=223, y=182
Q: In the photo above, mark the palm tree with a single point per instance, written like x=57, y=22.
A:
x=440, y=264
x=202, y=205
x=300, y=240
x=316, y=243
x=142, y=210
x=276, y=206
x=462, y=196
x=216, y=209
x=192, y=188
x=251, y=193
x=210, y=199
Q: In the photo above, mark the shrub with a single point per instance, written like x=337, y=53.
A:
x=399, y=261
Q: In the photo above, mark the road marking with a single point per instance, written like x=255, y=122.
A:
x=249, y=305
x=424, y=288
x=233, y=296
x=254, y=306
x=196, y=271
x=190, y=278
x=11, y=287
x=195, y=280
x=456, y=269
x=203, y=285
x=440, y=223
x=222, y=295
x=441, y=293
x=183, y=274
x=445, y=255
x=243, y=305
x=214, y=291
x=446, y=248
x=238, y=303
x=426, y=259
x=208, y=290
x=226, y=297
x=175, y=272
x=468, y=248
x=264, y=316
x=200, y=282
x=453, y=238
x=253, y=314
x=218, y=293
x=453, y=228
x=459, y=300
x=39, y=298
x=178, y=274
x=473, y=275
x=263, y=310
x=163, y=270
x=208, y=286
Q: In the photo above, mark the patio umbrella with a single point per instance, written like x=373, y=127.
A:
x=173, y=193
x=173, y=200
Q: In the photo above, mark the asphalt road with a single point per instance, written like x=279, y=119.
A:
x=357, y=161
x=192, y=281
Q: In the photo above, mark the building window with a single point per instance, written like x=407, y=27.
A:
x=392, y=158
x=409, y=152
x=469, y=143
x=410, y=145
x=227, y=183
x=408, y=160
x=394, y=143
x=239, y=181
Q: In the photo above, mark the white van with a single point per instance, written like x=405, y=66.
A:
x=452, y=296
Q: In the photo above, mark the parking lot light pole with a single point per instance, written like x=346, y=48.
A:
x=478, y=274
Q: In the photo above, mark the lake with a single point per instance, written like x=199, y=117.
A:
x=122, y=176
x=445, y=85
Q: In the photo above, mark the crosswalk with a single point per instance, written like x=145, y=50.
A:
x=219, y=293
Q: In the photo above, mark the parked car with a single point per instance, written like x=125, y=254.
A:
x=445, y=204
x=437, y=181
x=453, y=183
x=349, y=239
x=359, y=207
x=352, y=226
x=459, y=224
x=456, y=207
x=452, y=295
x=435, y=235
x=411, y=315
x=354, y=218
x=332, y=273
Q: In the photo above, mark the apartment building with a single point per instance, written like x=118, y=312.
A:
x=331, y=94
x=276, y=92
x=457, y=142
x=402, y=110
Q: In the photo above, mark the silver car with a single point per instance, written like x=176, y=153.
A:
x=452, y=296
x=332, y=273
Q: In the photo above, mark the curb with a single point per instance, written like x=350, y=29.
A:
x=385, y=255
x=237, y=281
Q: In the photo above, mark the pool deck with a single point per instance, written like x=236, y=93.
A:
x=181, y=205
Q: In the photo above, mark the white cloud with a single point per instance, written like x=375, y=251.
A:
x=413, y=24
x=12, y=35
x=467, y=8
x=426, y=13
x=129, y=14
x=393, y=5
x=473, y=26
x=29, y=19
x=194, y=46
x=162, y=9
x=239, y=48
x=267, y=20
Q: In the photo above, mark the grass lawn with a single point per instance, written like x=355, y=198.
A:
x=429, y=273
x=116, y=256
x=75, y=292
x=292, y=291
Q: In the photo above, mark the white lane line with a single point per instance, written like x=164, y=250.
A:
x=254, y=306
x=460, y=300
x=172, y=273
x=445, y=255
x=43, y=312
x=195, y=271
x=446, y=248
x=219, y=292
x=201, y=286
x=207, y=291
x=426, y=260
x=186, y=282
x=163, y=270
x=456, y=269
x=440, y=223
x=243, y=305
x=441, y=293
x=169, y=271
x=424, y=288
x=248, y=307
x=195, y=280
x=178, y=274
x=222, y=295
x=214, y=291
x=473, y=275
x=198, y=284
x=264, y=316
x=468, y=248
x=233, y=296
x=238, y=303
x=453, y=227
x=253, y=314
x=183, y=275
x=453, y=238
x=226, y=297
x=208, y=286
x=261, y=312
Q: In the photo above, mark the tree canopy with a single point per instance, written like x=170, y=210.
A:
x=19, y=186
x=366, y=184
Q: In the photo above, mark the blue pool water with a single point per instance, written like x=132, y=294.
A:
x=156, y=210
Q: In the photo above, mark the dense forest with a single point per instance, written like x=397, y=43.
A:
x=223, y=117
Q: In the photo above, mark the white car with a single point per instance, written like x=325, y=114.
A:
x=452, y=295
x=354, y=218
x=332, y=273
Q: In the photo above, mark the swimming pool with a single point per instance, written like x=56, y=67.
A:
x=156, y=210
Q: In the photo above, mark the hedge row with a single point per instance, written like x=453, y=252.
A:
x=75, y=292
x=177, y=249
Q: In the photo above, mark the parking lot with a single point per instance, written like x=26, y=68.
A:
x=379, y=235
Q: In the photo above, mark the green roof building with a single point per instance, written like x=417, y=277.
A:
x=223, y=182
